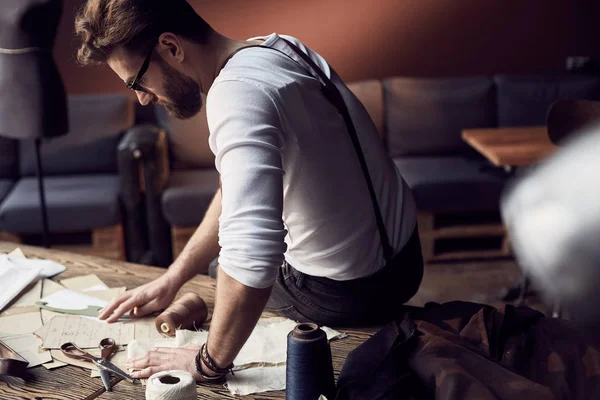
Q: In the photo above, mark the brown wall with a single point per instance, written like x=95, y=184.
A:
x=379, y=38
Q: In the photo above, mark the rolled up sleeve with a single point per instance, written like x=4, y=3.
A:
x=247, y=140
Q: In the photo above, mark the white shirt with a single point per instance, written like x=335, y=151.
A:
x=292, y=186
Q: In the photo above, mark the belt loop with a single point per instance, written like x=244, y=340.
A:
x=299, y=279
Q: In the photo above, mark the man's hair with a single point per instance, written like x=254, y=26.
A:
x=104, y=25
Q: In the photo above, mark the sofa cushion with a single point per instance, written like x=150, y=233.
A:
x=188, y=195
x=525, y=100
x=9, y=157
x=452, y=184
x=5, y=186
x=426, y=116
x=96, y=123
x=74, y=203
x=188, y=140
x=370, y=94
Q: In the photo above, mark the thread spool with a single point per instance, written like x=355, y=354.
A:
x=171, y=385
x=189, y=312
x=309, y=370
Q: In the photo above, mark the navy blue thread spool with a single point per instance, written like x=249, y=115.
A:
x=309, y=370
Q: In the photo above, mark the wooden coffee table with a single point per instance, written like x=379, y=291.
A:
x=71, y=382
x=511, y=147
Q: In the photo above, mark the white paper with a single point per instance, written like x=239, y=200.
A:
x=28, y=347
x=71, y=300
x=17, y=253
x=14, y=278
x=28, y=298
x=46, y=268
x=256, y=380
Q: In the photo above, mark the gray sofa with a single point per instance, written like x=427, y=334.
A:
x=82, y=182
x=420, y=121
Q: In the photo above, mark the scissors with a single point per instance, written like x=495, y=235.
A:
x=108, y=347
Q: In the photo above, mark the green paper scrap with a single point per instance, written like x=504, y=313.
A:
x=90, y=311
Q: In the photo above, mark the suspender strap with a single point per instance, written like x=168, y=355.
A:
x=335, y=97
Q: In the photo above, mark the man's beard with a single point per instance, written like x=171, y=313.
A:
x=183, y=93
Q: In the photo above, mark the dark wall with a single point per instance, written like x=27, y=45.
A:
x=379, y=38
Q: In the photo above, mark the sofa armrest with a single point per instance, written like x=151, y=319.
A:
x=144, y=170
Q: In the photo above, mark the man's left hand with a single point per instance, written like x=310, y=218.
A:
x=165, y=359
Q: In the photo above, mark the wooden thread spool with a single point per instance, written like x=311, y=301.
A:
x=189, y=312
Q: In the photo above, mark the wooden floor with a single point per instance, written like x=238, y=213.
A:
x=477, y=281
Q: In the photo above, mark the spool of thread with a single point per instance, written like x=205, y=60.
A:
x=171, y=385
x=309, y=370
x=189, y=312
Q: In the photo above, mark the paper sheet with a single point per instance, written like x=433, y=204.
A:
x=106, y=294
x=87, y=332
x=50, y=287
x=20, y=324
x=17, y=253
x=17, y=278
x=46, y=268
x=54, y=364
x=256, y=380
x=28, y=347
x=84, y=332
x=30, y=297
x=84, y=283
x=71, y=300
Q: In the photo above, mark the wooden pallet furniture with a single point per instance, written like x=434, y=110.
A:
x=105, y=242
x=462, y=236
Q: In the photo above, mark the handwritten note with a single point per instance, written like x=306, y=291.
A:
x=84, y=332
x=87, y=333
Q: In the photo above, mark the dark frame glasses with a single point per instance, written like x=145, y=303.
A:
x=135, y=84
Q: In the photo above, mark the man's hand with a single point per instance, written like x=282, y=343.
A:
x=166, y=359
x=148, y=298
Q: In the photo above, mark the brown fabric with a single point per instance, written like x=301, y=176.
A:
x=370, y=94
x=509, y=353
x=463, y=351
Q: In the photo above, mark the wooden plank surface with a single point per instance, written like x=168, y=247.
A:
x=75, y=383
x=511, y=146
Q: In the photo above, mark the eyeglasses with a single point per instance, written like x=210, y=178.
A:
x=135, y=84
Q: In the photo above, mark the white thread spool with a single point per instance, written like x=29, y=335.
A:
x=171, y=385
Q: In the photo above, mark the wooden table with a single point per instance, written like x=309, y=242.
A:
x=511, y=147
x=71, y=382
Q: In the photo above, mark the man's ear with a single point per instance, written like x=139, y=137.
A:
x=170, y=46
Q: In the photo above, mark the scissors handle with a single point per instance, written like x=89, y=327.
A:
x=71, y=350
x=108, y=347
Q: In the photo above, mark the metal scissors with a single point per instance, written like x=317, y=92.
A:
x=108, y=347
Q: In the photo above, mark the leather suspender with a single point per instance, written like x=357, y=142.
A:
x=335, y=97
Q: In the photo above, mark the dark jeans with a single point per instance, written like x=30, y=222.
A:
x=372, y=300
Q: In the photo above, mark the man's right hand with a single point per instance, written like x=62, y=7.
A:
x=148, y=298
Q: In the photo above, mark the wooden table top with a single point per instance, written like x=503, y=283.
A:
x=508, y=147
x=72, y=382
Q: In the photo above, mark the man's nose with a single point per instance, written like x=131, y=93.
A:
x=143, y=98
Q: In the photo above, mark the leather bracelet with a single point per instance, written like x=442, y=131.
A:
x=207, y=378
x=210, y=363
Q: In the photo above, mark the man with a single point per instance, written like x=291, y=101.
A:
x=293, y=223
